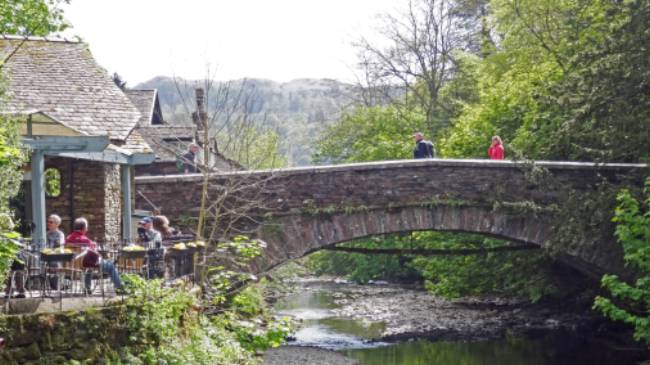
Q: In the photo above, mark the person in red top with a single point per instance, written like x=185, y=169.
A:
x=78, y=238
x=496, y=151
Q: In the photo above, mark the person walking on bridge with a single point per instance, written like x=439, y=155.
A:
x=496, y=150
x=423, y=149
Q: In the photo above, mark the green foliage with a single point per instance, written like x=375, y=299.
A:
x=155, y=312
x=32, y=17
x=52, y=182
x=566, y=82
x=166, y=327
x=506, y=274
x=519, y=273
x=369, y=134
x=363, y=268
x=11, y=160
x=630, y=303
x=254, y=147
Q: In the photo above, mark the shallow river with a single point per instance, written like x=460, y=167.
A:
x=321, y=327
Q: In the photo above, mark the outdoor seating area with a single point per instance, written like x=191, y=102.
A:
x=62, y=274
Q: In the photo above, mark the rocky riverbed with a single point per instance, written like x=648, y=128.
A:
x=410, y=313
x=414, y=313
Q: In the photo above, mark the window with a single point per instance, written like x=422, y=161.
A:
x=52, y=183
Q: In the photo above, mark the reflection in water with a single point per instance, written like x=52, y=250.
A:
x=499, y=352
x=321, y=328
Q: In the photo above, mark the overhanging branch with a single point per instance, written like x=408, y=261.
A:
x=432, y=252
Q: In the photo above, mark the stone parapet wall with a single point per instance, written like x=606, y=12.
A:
x=387, y=184
x=157, y=168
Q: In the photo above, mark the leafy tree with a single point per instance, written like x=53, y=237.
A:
x=11, y=159
x=23, y=17
x=32, y=17
x=369, y=134
x=516, y=273
x=253, y=146
x=602, y=102
x=417, y=53
x=630, y=303
x=566, y=82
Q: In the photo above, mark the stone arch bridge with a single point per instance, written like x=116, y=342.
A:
x=562, y=206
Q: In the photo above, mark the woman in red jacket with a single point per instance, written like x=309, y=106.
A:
x=496, y=151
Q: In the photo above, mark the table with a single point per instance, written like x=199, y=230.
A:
x=132, y=261
x=48, y=260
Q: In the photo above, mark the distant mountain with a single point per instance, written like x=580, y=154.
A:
x=298, y=110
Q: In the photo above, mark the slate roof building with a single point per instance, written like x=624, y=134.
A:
x=78, y=123
x=167, y=140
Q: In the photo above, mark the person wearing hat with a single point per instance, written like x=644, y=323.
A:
x=423, y=149
x=148, y=236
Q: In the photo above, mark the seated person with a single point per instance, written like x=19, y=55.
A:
x=78, y=238
x=161, y=224
x=54, y=238
x=150, y=238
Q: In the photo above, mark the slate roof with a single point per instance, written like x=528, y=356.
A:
x=135, y=143
x=167, y=140
x=145, y=101
x=61, y=78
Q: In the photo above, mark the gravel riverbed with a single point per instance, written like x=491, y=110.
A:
x=410, y=313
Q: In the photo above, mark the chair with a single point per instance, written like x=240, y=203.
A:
x=132, y=262
x=76, y=270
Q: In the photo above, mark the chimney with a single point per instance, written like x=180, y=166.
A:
x=200, y=117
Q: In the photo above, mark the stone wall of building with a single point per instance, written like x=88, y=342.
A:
x=112, y=203
x=88, y=189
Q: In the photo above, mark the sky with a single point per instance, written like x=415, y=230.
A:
x=280, y=40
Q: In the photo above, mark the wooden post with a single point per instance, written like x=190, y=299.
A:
x=38, y=198
x=125, y=180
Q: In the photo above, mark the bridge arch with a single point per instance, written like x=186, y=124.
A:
x=292, y=237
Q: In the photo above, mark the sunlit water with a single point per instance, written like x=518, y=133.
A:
x=322, y=328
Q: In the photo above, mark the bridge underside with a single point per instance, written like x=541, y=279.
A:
x=294, y=236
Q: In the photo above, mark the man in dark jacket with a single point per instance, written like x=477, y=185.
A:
x=423, y=149
x=189, y=159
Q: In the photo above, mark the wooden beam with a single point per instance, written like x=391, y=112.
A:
x=110, y=157
x=433, y=252
x=53, y=144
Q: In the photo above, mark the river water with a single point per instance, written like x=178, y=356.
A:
x=322, y=326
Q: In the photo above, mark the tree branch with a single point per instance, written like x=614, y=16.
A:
x=432, y=252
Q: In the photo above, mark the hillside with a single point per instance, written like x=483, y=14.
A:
x=298, y=110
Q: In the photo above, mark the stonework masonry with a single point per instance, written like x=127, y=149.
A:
x=88, y=189
x=305, y=209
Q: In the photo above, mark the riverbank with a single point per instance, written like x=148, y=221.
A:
x=413, y=313
x=368, y=320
